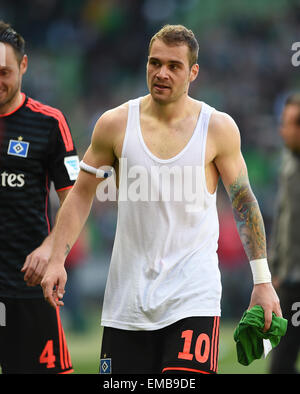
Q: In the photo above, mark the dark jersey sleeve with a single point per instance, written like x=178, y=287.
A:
x=63, y=161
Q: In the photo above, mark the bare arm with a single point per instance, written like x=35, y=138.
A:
x=247, y=216
x=36, y=262
x=75, y=210
x=233, y=171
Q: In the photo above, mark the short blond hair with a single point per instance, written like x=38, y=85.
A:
x=178, y=35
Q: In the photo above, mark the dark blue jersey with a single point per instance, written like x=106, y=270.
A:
x=36, y=148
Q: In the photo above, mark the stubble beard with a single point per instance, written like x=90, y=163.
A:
x=10, y=98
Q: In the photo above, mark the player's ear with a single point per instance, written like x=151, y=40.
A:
x=194, y=72
x=24, y=64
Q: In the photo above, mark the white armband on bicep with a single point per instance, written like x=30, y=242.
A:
x=99, y=172
x=260, y=271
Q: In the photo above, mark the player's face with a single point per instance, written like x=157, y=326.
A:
x=168, y=72
x=290, y=127
x=11, y=73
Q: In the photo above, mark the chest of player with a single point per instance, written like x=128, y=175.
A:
x=167, y=142
x=24, y=146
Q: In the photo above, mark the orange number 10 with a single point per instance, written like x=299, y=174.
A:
x=201, y=356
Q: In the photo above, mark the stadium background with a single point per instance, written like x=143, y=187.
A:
x=88, y=56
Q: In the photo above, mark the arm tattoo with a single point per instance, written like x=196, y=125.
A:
x=248, y=218
x=67, y=251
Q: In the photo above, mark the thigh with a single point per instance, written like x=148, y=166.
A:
x=4, y=351
x=34, y=338
x=191, y=345
x=128, y=352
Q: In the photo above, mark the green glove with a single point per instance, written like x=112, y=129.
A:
x=249, y=334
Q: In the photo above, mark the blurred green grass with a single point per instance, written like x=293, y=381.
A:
x=85, y=350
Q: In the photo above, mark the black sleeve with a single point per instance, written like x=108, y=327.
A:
x=63, y=161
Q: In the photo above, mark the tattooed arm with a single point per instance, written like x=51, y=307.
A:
x=231, y=166
x=248, y=217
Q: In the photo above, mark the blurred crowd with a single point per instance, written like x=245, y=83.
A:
x=87, y=56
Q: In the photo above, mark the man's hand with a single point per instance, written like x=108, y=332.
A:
x=36, y=264
x=264, y=295
x=53, y=284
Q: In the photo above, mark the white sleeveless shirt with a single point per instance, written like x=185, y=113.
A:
x=164, y=264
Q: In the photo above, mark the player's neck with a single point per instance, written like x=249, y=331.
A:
x=12, y=104
x=167, y=112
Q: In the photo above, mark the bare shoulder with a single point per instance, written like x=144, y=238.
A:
x=222, y=125
x=110, y=128
x=223, y=132
x=112, y=120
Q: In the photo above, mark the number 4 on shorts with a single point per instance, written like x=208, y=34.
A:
x=47, y=356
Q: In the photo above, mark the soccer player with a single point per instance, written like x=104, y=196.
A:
x=162, y=300
x=285, y=245
x=36, y=148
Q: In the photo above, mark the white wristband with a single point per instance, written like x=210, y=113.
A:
x=260, y=271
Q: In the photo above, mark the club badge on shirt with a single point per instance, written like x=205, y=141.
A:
x=18, y=147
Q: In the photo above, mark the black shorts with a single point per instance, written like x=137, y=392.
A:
x=32, y=339
x=190, y=345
